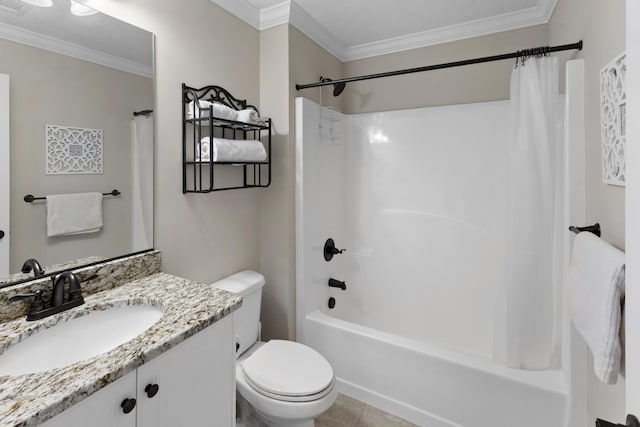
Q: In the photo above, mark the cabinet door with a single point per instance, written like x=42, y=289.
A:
x=195, y=379
x=101, y=409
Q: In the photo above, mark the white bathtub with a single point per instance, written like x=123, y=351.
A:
x=433, y=387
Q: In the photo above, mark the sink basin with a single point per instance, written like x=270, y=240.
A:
x=78, y=339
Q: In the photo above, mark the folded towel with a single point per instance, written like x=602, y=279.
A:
x=235, y=150
x=596, y=295
x=77, y=213
x=202, y=109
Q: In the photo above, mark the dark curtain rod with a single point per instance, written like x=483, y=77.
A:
x=30, y=198
x=142, y=113
x=518, y=54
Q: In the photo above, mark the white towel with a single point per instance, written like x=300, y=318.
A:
x=596, y=295
x=220, y=111
x=235, y=150
x=76, y=213
x=248, y=116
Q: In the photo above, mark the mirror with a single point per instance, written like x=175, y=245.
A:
x=75, y=83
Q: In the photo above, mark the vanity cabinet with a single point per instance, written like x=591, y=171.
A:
x=192, y=384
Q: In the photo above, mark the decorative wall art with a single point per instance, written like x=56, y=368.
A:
x=613, y=103
x=72, y=150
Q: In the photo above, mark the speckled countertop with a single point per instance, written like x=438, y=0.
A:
x=28, y=400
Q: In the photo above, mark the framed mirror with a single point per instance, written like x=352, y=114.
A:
x=75, y=80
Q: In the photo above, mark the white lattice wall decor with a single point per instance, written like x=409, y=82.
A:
x=613, y=103
x=72, y=150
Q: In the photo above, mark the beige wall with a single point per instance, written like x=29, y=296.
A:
x=287, y=57
x=49, y=88
x=601, y=25
x=278, y=298
x=202, y=236
x=473, y=83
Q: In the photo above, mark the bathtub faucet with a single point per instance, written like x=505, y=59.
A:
x=337, y=284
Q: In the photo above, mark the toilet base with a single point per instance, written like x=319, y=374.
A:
x=249, y=417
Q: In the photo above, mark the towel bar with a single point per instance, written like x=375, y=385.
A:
x=30, y=198
x=595, y=229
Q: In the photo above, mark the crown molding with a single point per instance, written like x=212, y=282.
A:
x=289, y=12
x=19, y=35
x=481, y=27
x=275, y=15
x=241, y=9
x=316, y=32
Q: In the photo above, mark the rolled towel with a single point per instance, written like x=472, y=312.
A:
x=202, y=108
x=76, y=213
x=248, y=116
x=596, y=293
x=236, y=150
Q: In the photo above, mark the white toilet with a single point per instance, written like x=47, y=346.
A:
x=278, y=383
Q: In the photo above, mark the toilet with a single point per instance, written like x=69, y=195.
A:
x=278, y=383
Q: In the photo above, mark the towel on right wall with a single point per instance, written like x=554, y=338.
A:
x=596, y=297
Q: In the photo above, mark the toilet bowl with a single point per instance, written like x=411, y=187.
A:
x=278, y=383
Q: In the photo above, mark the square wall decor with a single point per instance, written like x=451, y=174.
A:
x=613, y=104
x=72, y=150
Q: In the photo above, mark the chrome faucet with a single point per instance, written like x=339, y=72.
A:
x=32, y=265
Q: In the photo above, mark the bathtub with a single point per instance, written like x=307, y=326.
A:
x=431, y=386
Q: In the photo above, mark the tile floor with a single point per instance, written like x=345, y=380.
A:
x=349, y=412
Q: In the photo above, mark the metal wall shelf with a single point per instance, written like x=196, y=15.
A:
x=207, y=176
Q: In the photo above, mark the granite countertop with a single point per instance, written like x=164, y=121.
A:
x=189, y=307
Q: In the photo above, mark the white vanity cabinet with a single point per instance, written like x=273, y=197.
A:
x=194, y=385
x=101, y=409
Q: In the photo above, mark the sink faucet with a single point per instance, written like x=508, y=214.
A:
x=75, y=293
x=39, y=309
x=32, y=265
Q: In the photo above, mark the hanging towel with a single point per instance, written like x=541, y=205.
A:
x=76, y=213
x=596, y=295
x=235, y=150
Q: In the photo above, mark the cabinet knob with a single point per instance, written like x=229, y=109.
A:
x=128, y=405
x=151, y=390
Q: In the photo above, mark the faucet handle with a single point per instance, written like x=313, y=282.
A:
x=36, y=305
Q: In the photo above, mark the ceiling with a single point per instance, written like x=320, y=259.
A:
x=97, y=38
x=354, y=29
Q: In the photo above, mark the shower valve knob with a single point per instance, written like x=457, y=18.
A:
x=330, y=249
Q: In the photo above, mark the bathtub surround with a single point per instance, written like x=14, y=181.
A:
x=425, y=212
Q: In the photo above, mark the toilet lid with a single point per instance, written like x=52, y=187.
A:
x=287, y=368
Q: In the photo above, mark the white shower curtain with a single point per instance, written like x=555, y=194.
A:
x=142, y=183
x=527, y=324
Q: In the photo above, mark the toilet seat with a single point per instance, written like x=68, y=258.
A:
x=288, y=371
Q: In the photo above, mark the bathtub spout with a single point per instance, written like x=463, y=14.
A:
x=337, y=284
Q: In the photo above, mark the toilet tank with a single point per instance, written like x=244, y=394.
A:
x=246, y=319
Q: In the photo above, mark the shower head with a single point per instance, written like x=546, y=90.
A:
x=337, y=87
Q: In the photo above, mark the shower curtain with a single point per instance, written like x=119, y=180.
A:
x=141, y=183
x=527, y=323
